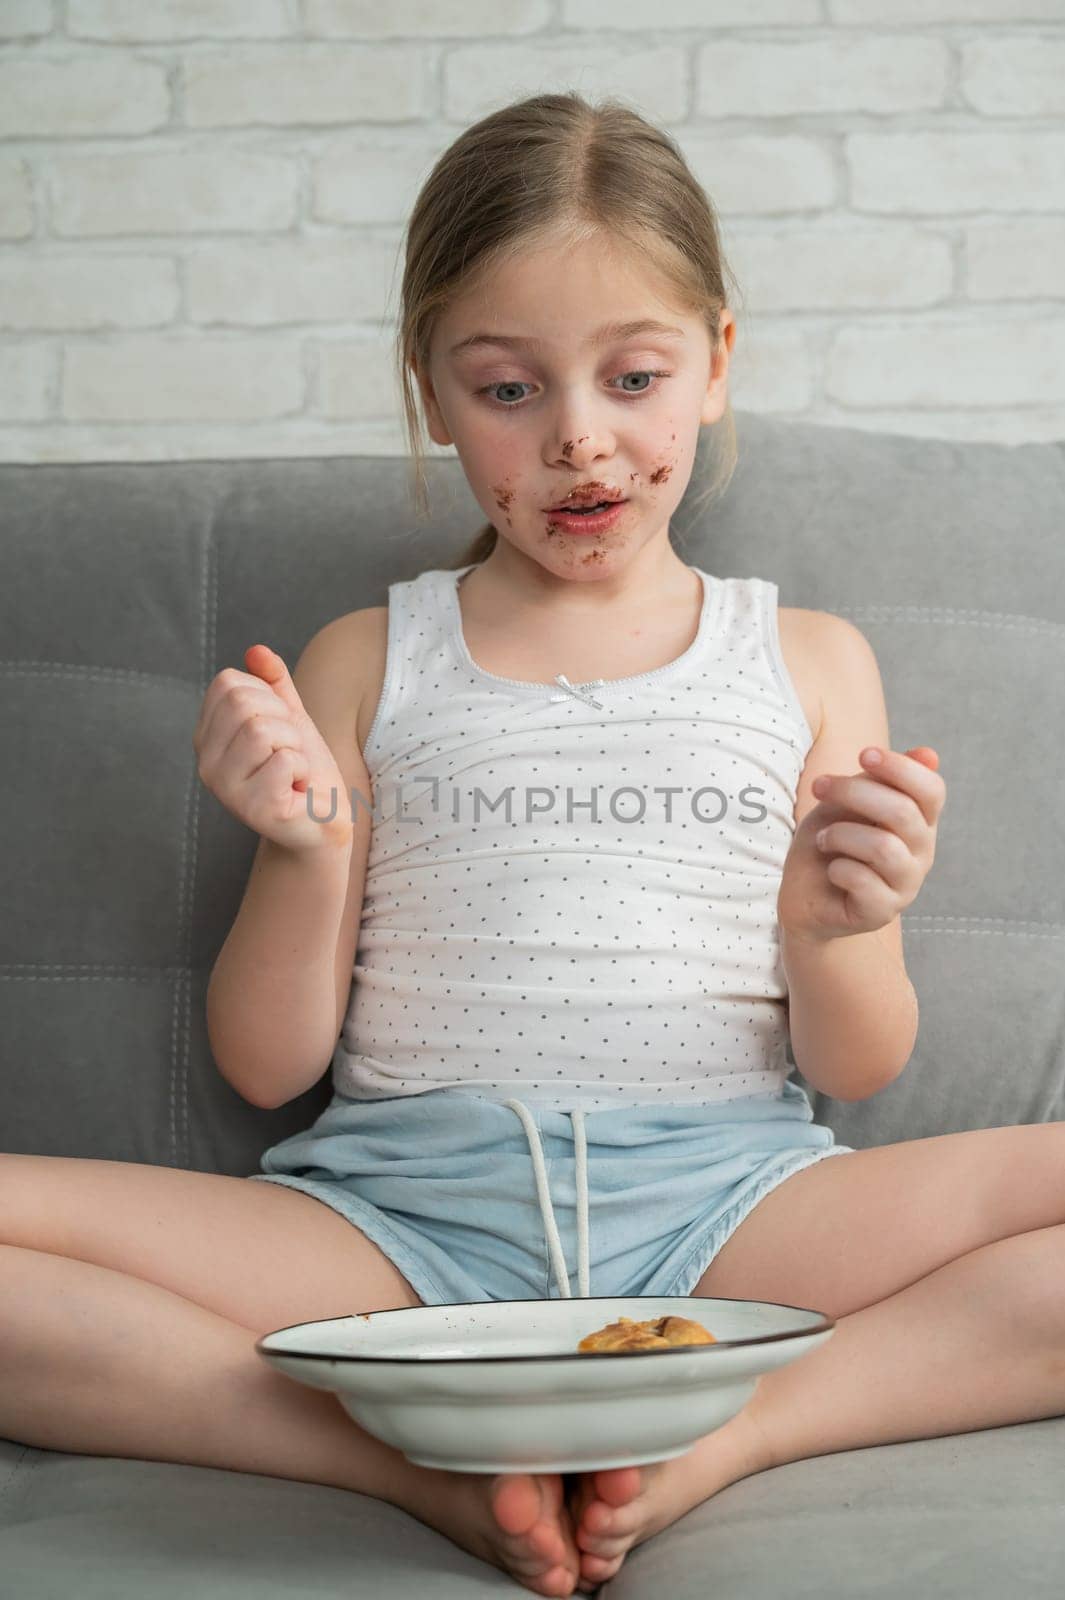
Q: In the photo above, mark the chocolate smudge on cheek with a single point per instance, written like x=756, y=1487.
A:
x=662, y=474
x=504, y=498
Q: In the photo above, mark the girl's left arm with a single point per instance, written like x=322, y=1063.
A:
x=852, y=1013
x=856, y=860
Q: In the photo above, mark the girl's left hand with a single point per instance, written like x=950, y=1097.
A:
x=880, y=838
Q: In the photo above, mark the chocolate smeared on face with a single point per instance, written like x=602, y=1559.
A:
x=504, y=498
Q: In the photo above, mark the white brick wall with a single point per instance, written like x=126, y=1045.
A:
x=202, y=204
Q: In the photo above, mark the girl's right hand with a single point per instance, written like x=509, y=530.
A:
x=259, y=753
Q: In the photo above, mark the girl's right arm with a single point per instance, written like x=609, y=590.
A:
x=280, y=985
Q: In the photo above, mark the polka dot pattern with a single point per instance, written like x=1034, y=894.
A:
x=568, y=902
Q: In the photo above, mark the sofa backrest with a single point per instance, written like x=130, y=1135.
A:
x=128, y=586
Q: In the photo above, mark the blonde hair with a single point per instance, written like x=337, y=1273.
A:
x=555, y=164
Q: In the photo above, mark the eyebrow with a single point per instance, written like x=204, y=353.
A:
x=612, y=332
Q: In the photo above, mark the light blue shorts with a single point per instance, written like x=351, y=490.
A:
x=635, y=1200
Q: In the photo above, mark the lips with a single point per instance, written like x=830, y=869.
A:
x=589, y=495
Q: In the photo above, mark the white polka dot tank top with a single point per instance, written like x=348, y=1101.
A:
x=571, y=888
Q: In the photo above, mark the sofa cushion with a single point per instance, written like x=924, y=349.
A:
x=129, y=586
x=978, y=1515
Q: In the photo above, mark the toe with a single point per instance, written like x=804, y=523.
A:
x=599, y=1494
x=596, y=1518
x=602, y=1525
x=594, y=1526
x=607, y=1545
x=609, y=1530
x=517, y=1502
x=618, y=1485
x=529, y=1508
x=597, y=1569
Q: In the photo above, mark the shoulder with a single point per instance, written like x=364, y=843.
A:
x=800, y=621
x=832, y=643
x=821, y=627
x=853, y=709
x=338, y=646
x=355, y=625
x=847, y=673
x=801, y=644
x=840, y=648
x=854, y=715
x=360, y=629
x=340, y=664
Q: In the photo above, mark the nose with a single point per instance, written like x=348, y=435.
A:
x=578, y=437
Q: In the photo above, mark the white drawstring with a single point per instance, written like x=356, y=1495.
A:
x=578, y=691
x=547, y=1210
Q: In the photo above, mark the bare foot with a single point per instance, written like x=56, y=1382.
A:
x=516, y=1521
x=614, y=1510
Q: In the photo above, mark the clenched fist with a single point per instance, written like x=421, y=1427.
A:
x=260, y=754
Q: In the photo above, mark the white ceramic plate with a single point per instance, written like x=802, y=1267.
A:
x=500, y=1386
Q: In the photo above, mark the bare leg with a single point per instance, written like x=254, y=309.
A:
x=97, y=1362
x=980, y=1343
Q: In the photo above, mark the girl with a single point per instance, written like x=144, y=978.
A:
x=555, y=971
x=585, y=756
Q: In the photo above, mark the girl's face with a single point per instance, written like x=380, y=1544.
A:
x=539, y=399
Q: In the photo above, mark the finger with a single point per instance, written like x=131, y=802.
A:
x=268, y=665
x=884, y=851
x=875, y=802
x=221, y=714
x=216, y=696
x=912, y=777
x=283, y=770
x=258, y=738
x=872, y=897
x=230, y=716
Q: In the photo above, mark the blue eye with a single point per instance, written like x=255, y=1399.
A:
x=514, y=383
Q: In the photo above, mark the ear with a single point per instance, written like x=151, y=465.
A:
x=434, y=417
x=717, y=388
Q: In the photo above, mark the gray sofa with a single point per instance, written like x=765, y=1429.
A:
x=127, y=587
